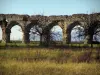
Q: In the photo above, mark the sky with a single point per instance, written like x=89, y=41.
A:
x=76, y=32
x=16, y=33
x=47, y=7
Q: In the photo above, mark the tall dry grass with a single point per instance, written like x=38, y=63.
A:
x=48, y=62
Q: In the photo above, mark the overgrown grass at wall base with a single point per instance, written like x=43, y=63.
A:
x=33, y=44
x=55, y=55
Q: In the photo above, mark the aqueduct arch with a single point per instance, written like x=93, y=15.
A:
x=56, y=34
x=91, y=30
x=27, y=29
x=47, y=30
x=46, y=23
x=8, y=29
x=71, y=26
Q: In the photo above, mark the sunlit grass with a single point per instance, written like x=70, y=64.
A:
x=48, y=68
x=47, y=61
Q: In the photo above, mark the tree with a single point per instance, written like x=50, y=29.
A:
x=79, y=31
x=42, y=28
x=92, y=24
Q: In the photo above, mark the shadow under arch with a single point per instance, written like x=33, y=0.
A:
x=69, y=29
x=92, y=31
x=9, y=27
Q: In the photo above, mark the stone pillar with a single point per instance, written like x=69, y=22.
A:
x=3, y=34
x=25, y=38
x=41, y=39
x=68, y=33
x=25, y=33
x=88, y=39
x=45, y=38
x=8, y=31
x=3, y=26
x=64, y=33
x=68, y=37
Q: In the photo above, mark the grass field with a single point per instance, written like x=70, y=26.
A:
x=49, y=61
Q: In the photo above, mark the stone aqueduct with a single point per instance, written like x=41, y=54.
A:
x=88, y=21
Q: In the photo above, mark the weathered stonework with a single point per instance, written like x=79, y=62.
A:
x=7, y=21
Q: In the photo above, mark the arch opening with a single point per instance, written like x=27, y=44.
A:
x=16, y=33
x=77, y=34
x=56, y=34
x=34, y=35
x=96, y=35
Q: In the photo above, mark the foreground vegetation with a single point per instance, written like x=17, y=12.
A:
x=48, y=68
x=49, y=61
